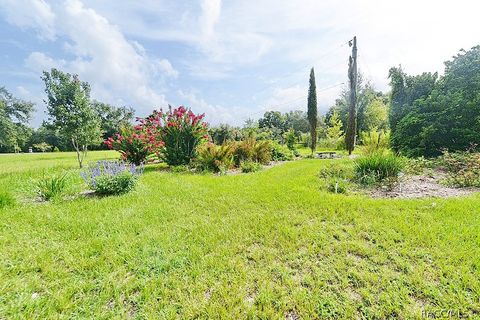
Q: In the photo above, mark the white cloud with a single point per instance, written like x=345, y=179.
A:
x=295, y=98
x=213, y=41
x=215, y=114
x=285, y=99
x=23, y=92
x=120, y=71
x=210, y=13
x=166, y=67
x=38, y=62
x=35, y=14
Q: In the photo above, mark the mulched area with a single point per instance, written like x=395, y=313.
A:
x=422, y=186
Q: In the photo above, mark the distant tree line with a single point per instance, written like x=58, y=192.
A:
x=75, y=122
x=424, y=113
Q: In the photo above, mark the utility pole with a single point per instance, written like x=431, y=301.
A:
x=350, y=135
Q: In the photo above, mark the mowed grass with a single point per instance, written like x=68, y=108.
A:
x=269, y=245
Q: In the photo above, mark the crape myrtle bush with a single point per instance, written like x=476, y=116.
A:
x=135, y=143
x=112, y=177
x=173, y=136
x=182, y=132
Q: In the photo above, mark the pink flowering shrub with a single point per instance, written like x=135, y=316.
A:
x=181, y=133
x=173, y=136
x=135, y=143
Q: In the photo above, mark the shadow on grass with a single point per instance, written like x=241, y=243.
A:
x=152, y=167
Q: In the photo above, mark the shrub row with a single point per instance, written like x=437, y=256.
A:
x=249, y=155
x=232, y=154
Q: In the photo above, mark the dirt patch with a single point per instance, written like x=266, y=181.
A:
x=292, y=315
x=422, y=186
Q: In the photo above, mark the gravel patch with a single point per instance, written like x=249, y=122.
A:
x=412, y=187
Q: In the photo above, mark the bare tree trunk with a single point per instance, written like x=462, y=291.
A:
x=77, y=149
x=84, y=152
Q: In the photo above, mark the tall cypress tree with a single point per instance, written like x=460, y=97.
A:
x=312, y=110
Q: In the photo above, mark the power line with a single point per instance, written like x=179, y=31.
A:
x=305, y=96
x=296, y=99
x=307, y=67
x=321, y=69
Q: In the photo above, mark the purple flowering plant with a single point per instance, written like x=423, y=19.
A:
x=112, y=177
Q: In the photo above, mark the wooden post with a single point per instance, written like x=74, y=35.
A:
x=350, y=135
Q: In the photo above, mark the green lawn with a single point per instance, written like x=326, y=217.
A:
x=270, y=245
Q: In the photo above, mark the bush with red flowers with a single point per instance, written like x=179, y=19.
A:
x=173, y=136
x=182, y=132
x=135, y=143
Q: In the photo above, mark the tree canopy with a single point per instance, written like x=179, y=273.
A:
x=70, y=110
x=372, y=107
x=112, y=118
x=14, y=117
x=429, y=113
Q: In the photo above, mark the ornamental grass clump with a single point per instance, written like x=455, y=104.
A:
x=218, y=159
x=252, y=150
x=51, y=187
x=112, y=177
x=378, y=167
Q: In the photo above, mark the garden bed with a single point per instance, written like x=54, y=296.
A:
x=422, y=186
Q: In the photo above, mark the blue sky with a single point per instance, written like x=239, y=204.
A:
x=231, y=59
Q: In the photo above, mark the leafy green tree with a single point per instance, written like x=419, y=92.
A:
x=428, y=113
x=274, y=122
x=250, y=128
x=405, y=90
x=334, y=130
x=298, y=121
x=224, y=133
x=372, y=107
x=47, y=133
x=70, y=110
x=312, y=110
x=43, y=147
x=14, y=117
x=290, y=138
x=112, y=118
x=374, y=115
